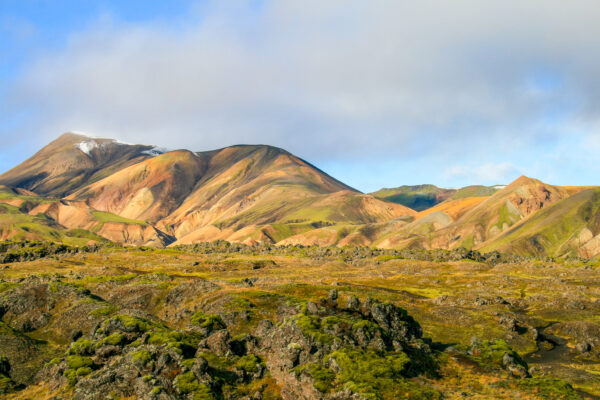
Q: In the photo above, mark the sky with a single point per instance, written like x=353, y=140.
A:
x=377, y=93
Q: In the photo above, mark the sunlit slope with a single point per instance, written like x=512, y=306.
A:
x=16, y=224
x=70, y=162
x=31, y=217
x=571, y=226
x=454, y=208
x=499, y=212
x=130, y=193
x=423, y=197
x=285, y=193
x=149, y=190
x=576, y=189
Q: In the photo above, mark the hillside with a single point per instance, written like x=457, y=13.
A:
x=423, y=197
x=488, y=219
x=570, y=226
x=82, y=190
x=73, y=161
x=134, y=194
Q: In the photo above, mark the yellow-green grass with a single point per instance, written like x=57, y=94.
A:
x=24, y=226
x=102, y=216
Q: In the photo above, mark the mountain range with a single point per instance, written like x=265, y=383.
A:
x=80, y=189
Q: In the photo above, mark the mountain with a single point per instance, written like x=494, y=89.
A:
x=522, y=198
x=570, y=226
x=81, y=190
x=73, y=161
x=134, y=194
x=423, y=197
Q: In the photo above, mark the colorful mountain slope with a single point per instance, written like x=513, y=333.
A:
x=136, y=195
x=454, y=208
x=423, y=197
x=496, y=214
x=148, y=190
x=72, y=161
x=132, y=195
x=568, y=227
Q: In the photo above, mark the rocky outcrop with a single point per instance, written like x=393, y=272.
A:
x=310, y=353
x=131, y=356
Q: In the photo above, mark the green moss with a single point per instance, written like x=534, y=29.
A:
x=217, y=362
x=156, y=390
x=75, y=362
x=323, y=377
x=210, y=321
x=492, y=352
x=248, y=363
x=187, y=383
x=203, y=393
x=133, y=324
x=6, y=384
x=71, y=375
x=239, y=304
x=83, y=371
x=311, y=326
x=54, y=361
x=141, y=358
x=82, y=347
x=109, y=217
x=4, y=286
x=376, y=376
x=103, y=311
x=115, y=339
x=368, y=327
x=183, y=343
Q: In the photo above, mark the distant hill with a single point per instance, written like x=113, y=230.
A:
x=422, y=197
x=497, y=213
x=571, y=226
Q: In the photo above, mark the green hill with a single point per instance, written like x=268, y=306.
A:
x=422, y=197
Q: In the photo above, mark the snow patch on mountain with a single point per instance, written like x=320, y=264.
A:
x=87, y=146
x=155, y=151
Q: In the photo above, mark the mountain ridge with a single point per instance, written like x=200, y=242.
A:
x=241, y=188
x=84, y=189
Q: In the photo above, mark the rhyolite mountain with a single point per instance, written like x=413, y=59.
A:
x=136, y=194
x=72, y=161
x=80, y=189
x=422, y=197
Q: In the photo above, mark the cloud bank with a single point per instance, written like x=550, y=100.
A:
x=468, y=90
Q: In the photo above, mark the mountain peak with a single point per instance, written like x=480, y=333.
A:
x=523, y=181
x=71, y=161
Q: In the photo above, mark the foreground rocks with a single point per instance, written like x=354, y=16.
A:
x=167, y=333
x=369, y=349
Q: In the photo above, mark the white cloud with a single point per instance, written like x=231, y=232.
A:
x=488, y=173
x=336, y=79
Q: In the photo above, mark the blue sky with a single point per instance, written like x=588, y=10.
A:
x=379, y=93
